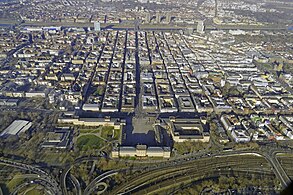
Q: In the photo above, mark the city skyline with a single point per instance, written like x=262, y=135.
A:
x=146, y=97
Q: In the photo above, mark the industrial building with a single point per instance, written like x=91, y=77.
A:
x=16, y=127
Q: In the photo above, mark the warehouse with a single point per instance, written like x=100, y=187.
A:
x=16, y=127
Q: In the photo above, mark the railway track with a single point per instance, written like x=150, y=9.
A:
x=192, y=169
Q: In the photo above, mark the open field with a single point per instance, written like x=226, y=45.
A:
x=86, y=142
x=14, y=182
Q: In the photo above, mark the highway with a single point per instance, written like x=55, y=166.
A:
x=278, y=168
x=161, y=169
x=149, y=172
x=186, y=169
x=34, y=178
x=63, y=179
x=92, y=186
x=66, y=171
x=192, y=159
x=41, y=174
x=168, y=168
x=77, y=161
x=76, y=184
x=18, y=188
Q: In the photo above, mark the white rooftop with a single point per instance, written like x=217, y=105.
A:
x=16, y=127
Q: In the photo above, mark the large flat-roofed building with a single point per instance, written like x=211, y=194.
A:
x=185, y=104
x=164, y=152
x=128, y=104
x=91, y=107
x=16, y=127
x=107, y=121
x=141, y=151
x=60, y=138
x=167, y=104
x=188, y=129
x=124, y=151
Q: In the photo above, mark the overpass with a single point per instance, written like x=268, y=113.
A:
x=152, y=165
x=188, y=163
x=39, y=172
x=279, y=169
x=96, y=182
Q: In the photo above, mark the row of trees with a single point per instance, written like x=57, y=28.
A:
x=189, y=146
x=224, y=184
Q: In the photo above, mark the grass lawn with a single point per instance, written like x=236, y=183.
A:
x=32, y=190
x=35, y=192
x=87, y=142
x=107, y=133
x=117, y=134
x=189, y=146
x=14, y=182
x=50, y=157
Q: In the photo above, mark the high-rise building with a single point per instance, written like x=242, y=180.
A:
x=200, y=27
x=97, y=26
x=168, y=18
x=148, y=18
x=158, y=17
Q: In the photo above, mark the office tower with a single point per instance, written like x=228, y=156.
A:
x=148, y=18
x=97, y=26
x=158, y=17
x=200, y=27
x=168, y=18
